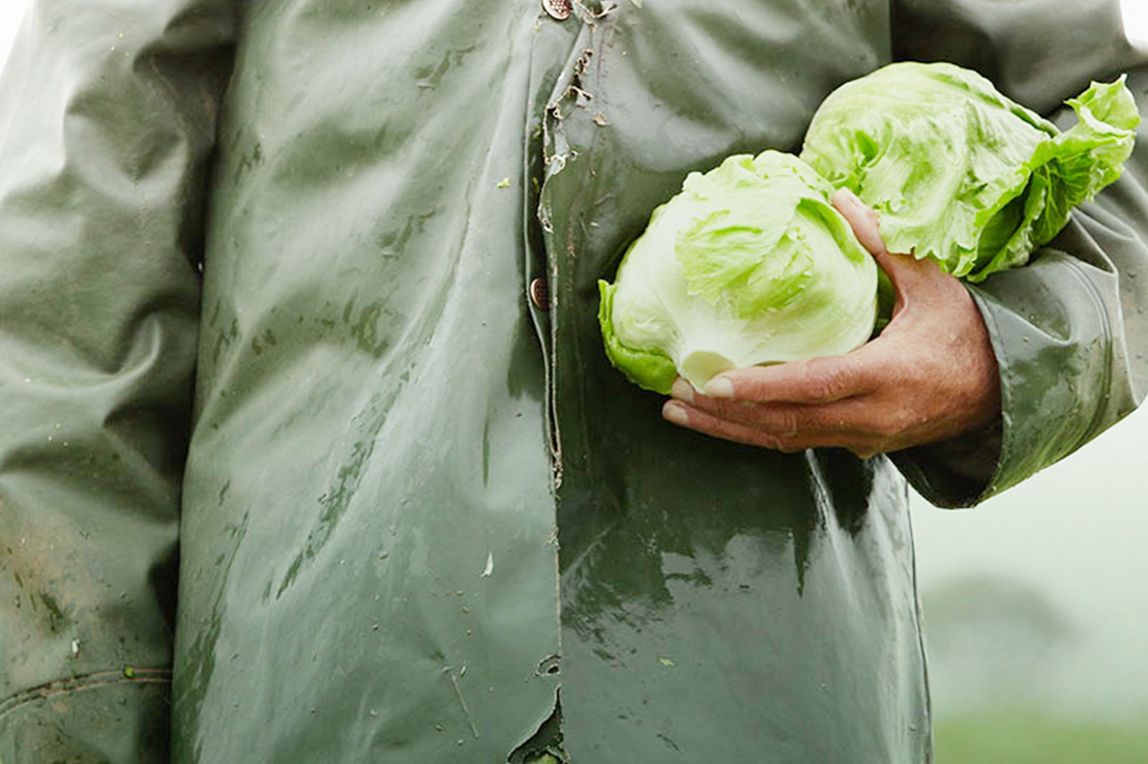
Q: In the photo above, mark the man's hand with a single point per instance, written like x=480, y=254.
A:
x=931, y=374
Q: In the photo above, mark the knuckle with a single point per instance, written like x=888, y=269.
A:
x=896, y=423
x=708, y=405
x=829, y=384
x=787, y=423
x=731, y=411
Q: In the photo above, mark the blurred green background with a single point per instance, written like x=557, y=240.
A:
x=1036, y=612
x=1035, y=603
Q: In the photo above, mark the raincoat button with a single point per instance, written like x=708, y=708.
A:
x=539, y=294
x=558, y=9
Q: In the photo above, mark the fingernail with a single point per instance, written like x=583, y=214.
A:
x=719, y=387
x=675, y=412
x=682, y=390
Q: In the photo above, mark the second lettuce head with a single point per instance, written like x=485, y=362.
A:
x=750, y=264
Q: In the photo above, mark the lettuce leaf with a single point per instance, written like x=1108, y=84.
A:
x=960, y=173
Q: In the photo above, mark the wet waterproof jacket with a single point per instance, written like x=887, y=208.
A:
x=406, y=507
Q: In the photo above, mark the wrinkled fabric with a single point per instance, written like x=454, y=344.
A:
x=414, y=510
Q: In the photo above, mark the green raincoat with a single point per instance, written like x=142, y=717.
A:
x=267, y=344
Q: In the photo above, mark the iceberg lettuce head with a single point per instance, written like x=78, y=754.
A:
x=749, y=264
x=960, y=173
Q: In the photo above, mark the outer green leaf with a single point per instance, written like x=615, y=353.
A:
x=651, y=368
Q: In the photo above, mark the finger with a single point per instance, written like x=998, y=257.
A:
x=847, y=417
x=902, y=270
x=863, y=219
x=682, y=415
x=817, y=380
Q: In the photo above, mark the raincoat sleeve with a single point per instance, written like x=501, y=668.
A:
x=1069, y=330
x=107, y=115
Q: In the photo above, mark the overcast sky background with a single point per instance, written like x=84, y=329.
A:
x=1075, y=537
x=10, y=13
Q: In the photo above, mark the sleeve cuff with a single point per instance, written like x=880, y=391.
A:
x=1052, y=339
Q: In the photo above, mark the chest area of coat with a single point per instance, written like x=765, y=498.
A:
x=410, y=56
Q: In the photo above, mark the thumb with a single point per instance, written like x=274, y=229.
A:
x=902, y=270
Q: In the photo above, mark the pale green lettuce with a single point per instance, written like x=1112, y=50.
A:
x=749, y=264
x=958, y=172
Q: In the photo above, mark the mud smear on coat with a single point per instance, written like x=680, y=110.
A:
x=19, y=556
x=248, y=161
x=392, y=245
x=199, y=660
x=338, y=497
x=40, y=560
x=364, y=327
x=430, y=76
